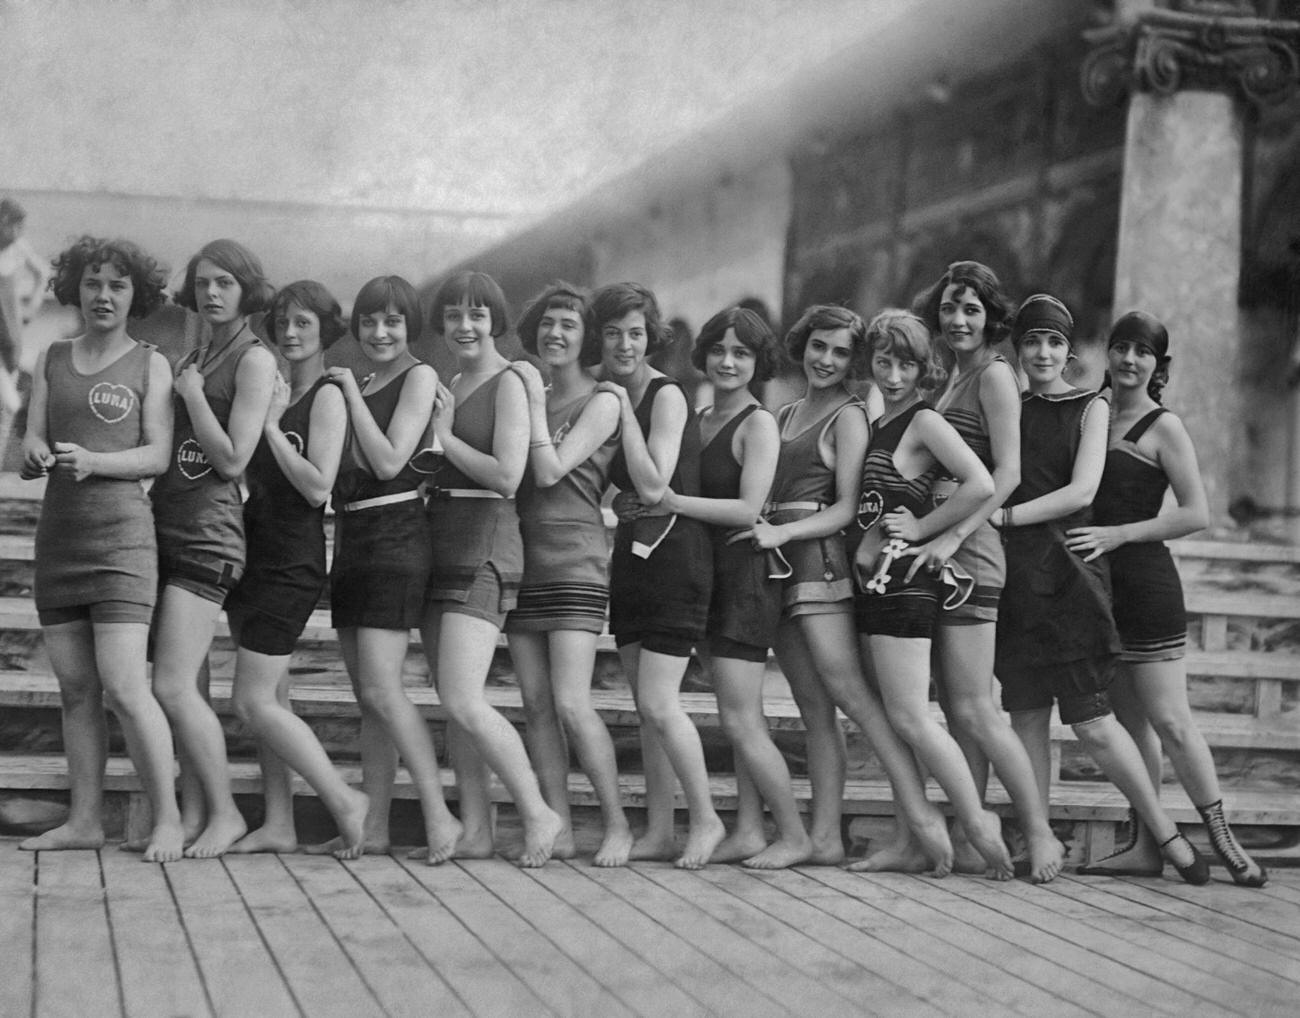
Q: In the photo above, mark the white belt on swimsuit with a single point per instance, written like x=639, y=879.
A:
x=465, y=493
x=378, y=500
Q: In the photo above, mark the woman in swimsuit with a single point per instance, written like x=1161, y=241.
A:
x=481, y=425
x=1150, y=452
x=565, y=588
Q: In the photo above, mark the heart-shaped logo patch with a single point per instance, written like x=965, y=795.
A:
x=870, y=508
x=191, y=460
x=111, y=403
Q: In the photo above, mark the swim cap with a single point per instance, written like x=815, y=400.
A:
x=1140, y=327
x=1042, y=313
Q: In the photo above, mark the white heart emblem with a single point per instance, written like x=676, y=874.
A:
x=191, y=460
x=870, y=508
x=111, y=403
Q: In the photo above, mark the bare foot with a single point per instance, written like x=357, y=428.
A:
x=166, y=843
x=64, y=838
x=351, y=821
x=905, y=857
x=701, y=841
x=653, y=848
x=615, y=849
x=192, y=824
x=475, y=843
x=223, y=830
x=987, y=840
x=932, y=838
x=739, y=845
x=826, y=851
x=1046, y=856
x=540, y=837
x=369, y=846
x=781, y=853
x=266, y=839
x=444, y=839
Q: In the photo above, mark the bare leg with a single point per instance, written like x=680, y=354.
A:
x=183, y=634
x=965, y=655
x=1034, y=729
x=739, y=686
x=465, y=648
x=1161, y=687
x=85, y=738
x=572, y=660
x=826, y=752
x=902, y=668
x=658, y=842
x=1142, y=855
x=261, y=696
x=543, y=736
x=658, y=700
x=837, y=655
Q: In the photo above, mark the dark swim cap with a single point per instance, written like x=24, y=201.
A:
x=1042, y=313
x=1140, y=327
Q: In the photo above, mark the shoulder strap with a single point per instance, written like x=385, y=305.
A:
x=1140, y=428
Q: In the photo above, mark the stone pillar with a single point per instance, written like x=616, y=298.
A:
x=1190, y=71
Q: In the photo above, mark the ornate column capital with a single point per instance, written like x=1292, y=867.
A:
x=1217, y=45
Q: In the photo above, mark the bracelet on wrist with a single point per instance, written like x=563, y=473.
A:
x=539, y=443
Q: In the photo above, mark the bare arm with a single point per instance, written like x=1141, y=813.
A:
x=1085, y=477
x=651, y=461
x=387, y=452
x=850, y=436
x=37, y=455
x=760, y=445
x=229, y=452
x=974, y=483
x=594, y=426
x=312, y=475
x=1177, y=457
x=502, y=469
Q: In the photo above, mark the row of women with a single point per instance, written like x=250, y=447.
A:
x=870, y=542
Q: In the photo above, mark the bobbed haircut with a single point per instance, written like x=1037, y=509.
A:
x=255, y=290
x=983, y=281
x=148, y=275
x=310, y=296
x=561, y=296
x=478, y=290
x=907, y=337
x=384, y=292
x=613, y=301
x=750, y=329
x=829, y=316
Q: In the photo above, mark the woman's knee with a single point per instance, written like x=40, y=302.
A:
x=1176, y=730
x=742, y=727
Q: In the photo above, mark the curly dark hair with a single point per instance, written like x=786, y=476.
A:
x=563, y=296
x=830, y=316
x=750, y=329
x=148, y=275
x=614, y=300
x=998, y=308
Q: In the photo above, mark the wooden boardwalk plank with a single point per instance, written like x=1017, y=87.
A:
x=1186, y=965
x=1247, y=942
x=728, y=939
x=1153, y=930
x=468, y=890
x=1161, y=987
x=146, y=928
x=636, y=984
x=480, y=979
x=238, y=971
x=17, y=933
x=318, y=973
x=396, y=973
x=76, y=971
x=687, y=972
x=1264, y=911
x=843, y=954
x=987, y=964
